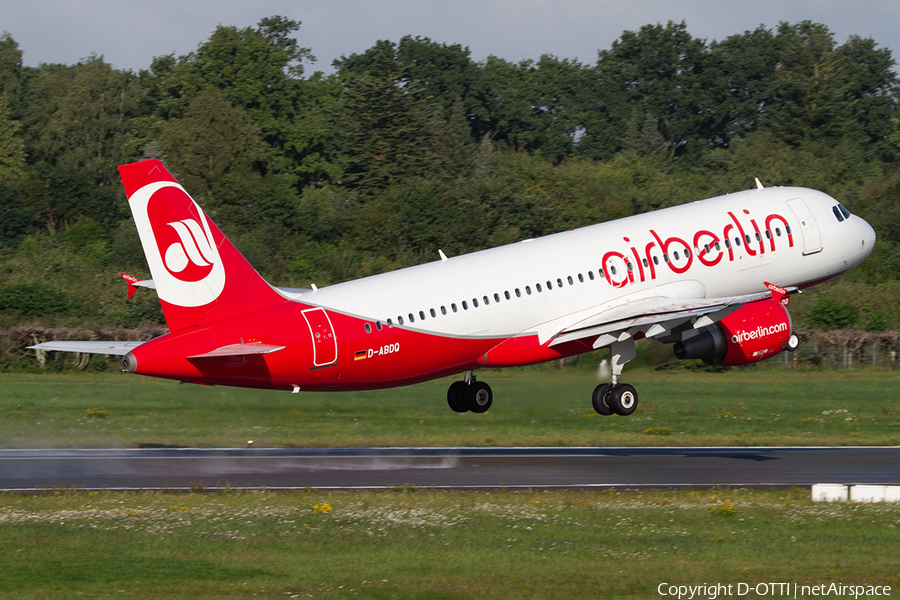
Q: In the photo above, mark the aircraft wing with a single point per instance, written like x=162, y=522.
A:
x=239, y=350
x=656, y=316
x=114, y=348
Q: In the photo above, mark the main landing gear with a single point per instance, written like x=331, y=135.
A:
x=615, y=396
x=469, y=395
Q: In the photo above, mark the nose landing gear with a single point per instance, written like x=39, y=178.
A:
x=616, y=397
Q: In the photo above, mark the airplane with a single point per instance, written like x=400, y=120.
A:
x=713, y=278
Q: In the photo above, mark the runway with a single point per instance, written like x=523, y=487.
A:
x=446, y=468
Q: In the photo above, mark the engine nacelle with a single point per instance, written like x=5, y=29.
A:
x=750, y=334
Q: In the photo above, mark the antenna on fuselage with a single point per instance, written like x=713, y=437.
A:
x=443, y=256
x=759, y=185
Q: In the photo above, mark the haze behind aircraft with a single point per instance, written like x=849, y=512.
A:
x=713, y=278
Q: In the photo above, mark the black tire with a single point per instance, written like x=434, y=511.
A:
x=479, y=397
x=600, y=401
x=624, y=399
x=456, y=396
x=793, y=343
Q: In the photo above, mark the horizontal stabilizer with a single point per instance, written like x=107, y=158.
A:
x=115, y=348
x=240, y=350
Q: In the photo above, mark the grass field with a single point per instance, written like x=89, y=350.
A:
x=423, y=544
x=543, y=408
x=413, y=543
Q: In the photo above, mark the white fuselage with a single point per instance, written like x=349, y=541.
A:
x=592, y=264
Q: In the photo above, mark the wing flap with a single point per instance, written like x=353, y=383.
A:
x=240, y=349
x=655, y=316
x=114, y=348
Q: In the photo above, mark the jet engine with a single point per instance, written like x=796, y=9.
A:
x=750, y=334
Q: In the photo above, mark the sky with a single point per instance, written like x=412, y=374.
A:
x=130, y=33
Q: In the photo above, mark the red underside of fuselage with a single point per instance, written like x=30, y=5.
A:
x=353, y=360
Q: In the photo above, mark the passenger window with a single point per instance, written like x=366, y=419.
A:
x=646, y=264
x=747, y=238
x=559, y=283
x=433, y=314
x=778, y=231
x=486, y=301
x=706, y=248
x=655, y=260
x=537, y=286
x=465, y=306
x=612, y=269
x=737, y=242
x=390, y=323
x=569, y=279
x=368, y=328
x=422, y=315
x=549, y=285
x=518, y=293
x=412, y=319
x=453, y=307
x=528, y=289
x=497, y=297
x=768, y=234
x=400, y=320
x=758, y=237
x=580, y=278
x=506, y=295
x=728, y=244
x=628, y=266
x=787, y=229
x=443, y=310
x=718, y=247
x=601, y=273
x=687, y=252
x=591, y=275
x=475, y=302
x=665, y=257
x=378, y=325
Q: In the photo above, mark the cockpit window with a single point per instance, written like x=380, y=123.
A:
x=837, y=214
x=844, y=211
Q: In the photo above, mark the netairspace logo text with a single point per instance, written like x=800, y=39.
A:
x=793, y=590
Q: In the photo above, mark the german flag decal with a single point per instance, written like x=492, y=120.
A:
x=359, y=355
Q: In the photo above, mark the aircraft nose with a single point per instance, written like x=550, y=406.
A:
x=867, y=237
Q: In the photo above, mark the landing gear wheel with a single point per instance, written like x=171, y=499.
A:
x=456, y=396
x=600, y=401
x=479, y=396
x=793, y=343
x=623, y=399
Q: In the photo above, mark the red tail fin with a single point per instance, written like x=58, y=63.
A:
x=199, y=275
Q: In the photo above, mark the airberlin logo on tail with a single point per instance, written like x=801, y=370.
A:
x=179, y=245
x=193, y=248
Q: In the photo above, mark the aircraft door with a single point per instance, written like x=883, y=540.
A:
x=323, y=339
x=809, y=231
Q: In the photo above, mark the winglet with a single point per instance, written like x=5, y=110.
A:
x=134, y=283
x=131, y=279
x=759, y=185
x=779, y=294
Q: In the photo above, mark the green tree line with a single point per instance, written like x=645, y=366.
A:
x=412, y=146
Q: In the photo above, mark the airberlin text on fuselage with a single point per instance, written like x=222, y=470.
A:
x=678, y=255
